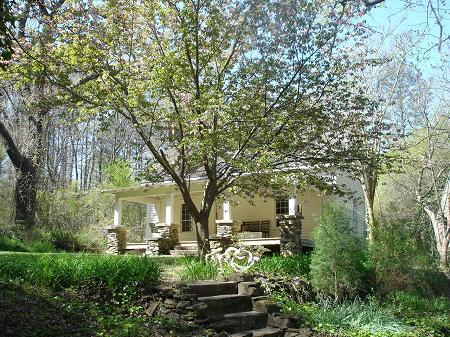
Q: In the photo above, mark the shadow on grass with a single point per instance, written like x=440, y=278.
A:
x=26, y=312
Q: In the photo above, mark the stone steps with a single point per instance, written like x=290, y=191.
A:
x=228, y=308
x=227, y=304
x=237, y=309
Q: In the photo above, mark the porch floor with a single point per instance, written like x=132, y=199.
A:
x=192, y=245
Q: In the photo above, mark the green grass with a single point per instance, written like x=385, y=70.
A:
x=296, y=265
x=369, y=317
x=198, y=269
x=59, y=271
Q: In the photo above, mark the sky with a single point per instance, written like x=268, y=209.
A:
x=396, y=18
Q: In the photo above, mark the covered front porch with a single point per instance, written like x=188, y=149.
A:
x=169, y=228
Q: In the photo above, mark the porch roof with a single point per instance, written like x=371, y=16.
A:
x=147, y=186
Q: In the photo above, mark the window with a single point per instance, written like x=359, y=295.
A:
x=281, y=207
x=186, y=222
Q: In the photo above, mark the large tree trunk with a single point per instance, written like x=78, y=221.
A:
x=26, y=181
x=442, y=238
x=369, y=183
x=203, y=236
x=25, y=195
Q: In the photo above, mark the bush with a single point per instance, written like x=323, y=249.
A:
x=416, y=303
x=401, y=263
x=296, y=265
x=59, y=271
x=12, y=244
x=337, y=262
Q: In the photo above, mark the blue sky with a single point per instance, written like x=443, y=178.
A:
x=393, y=17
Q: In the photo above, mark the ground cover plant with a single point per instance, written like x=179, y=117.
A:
x=60, y=271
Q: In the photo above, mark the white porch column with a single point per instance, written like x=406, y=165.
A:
x=169, y=209
x=292, y=206
x=151, y=219
x=117, y=212
x=226, y=210
x=151, y=214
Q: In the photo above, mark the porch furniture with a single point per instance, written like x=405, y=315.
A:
x=256, y=226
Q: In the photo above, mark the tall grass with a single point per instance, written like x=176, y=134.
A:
x=296, y=265
x=36, y=245
x=198, y=269
x=363, y=318
x=59, y=271
x=369, y=317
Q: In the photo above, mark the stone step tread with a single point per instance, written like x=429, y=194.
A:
x=264, y=332
x=211, y=282
x=212, y=288
x=239, y=321
x=227, y=304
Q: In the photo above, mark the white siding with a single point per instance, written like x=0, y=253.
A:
x=355, y=204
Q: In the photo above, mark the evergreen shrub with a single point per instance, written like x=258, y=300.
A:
x=338, y=260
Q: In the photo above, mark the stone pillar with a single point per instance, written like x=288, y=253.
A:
x=152, y=247
x=116, y=240
x=223, y=238
x=219, y=244
x=290, y=234
x=224, y=228
x=164, y=237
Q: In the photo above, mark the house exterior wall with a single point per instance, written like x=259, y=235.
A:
x=312, y=206
x=355, y=204
x=259, y=209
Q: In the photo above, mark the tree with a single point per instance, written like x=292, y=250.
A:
x=434, y=22
x=391, y=84
x=425, y=167
x=233, y=91
x=337, y=263
x=25, y=101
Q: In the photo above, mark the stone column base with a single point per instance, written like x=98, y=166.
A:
x=152, y=247
x=116, y=240
x=224, y=228
x=290, y=234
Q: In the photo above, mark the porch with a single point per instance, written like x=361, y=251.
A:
x=169, y=228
